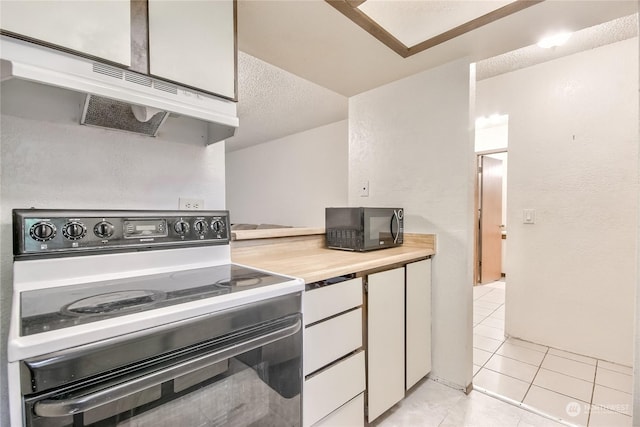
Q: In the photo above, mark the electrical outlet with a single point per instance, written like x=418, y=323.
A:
x=364, y=188
x=190, y=204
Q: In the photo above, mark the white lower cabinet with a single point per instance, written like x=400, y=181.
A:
x=351, y=414
x=385, y=341
x=418, y=321
x=332, y=339
x=334, y=360
x=396, y=321
x=329, y=389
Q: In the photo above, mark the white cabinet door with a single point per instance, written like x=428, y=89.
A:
x=96, y=28
x=418, y=325
x=385, y=341
x=193, y=42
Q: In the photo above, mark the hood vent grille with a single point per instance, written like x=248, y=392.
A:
x=108, y=71
x=138, y=79
x=112, y=114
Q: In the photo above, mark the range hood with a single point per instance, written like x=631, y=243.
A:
x=116, y=98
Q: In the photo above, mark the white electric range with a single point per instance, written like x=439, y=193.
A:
x=124, y=317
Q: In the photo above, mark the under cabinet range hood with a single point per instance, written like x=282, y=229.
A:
x=116, y=98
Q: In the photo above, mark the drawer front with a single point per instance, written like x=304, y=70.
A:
x=351, y=414
x=330, y=389
x=332, y=339
x=331, y=300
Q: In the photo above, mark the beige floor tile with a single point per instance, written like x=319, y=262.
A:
x=479, y=291
x=522, y=354
x=529, y=345
x=476, y=368
x=480, y=357
x=611, y=399
x=481, y=311
x=489, y=332
x=512, y=368
x=569, y=367
x=477, y=319
x=499, y=284
x=614, y=380
x=603, y=418
x=564, y=384
x=497, y=315
x=572, y=356
x=486, y=344
x=486, y=304
x=558, y=405
x=501, y=384
x=495, y=296
x=627, y=370
x=493, y=323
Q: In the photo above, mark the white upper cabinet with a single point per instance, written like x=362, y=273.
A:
x=193, y=43
x=97, y=28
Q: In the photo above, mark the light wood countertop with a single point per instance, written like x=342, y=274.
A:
x=307, y=258
x=267, y=233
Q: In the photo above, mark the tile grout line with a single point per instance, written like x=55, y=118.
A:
x=534, y=377
x=593, y=392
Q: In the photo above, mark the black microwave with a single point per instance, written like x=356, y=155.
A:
x=364, y=229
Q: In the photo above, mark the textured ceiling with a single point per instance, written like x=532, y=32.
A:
x=273, y=103
x=589, y=38
x=313, y=40
x=315, y=43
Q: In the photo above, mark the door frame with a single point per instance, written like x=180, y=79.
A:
x=476, y=212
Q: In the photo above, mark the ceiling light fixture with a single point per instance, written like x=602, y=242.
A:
x=554, y=40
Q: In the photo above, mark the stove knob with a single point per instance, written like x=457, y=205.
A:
x=74, y=230
x=200, y=226
x=217, y=226
x=103, y=229
x=43, y=231
x=181, y=227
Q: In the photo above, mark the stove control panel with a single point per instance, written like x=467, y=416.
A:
x=58, y=232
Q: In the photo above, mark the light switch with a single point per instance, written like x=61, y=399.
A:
x=364, y=188
x=529, y=216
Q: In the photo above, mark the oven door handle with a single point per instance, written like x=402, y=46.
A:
x=76, y=405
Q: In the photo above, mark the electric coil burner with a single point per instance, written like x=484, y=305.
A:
x=139, y=318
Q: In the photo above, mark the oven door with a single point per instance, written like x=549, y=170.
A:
x=246, y=378
x=383, y=228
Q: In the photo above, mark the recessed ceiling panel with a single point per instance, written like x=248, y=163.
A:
x=413, y=22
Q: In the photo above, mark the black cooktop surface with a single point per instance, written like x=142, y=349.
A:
x=48, y=309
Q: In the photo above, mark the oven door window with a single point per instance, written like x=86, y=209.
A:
x=259, y=387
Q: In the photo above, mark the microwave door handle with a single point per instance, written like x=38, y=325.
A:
x=397, y=220
x=62, y=408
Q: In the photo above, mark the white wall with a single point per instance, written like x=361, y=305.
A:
x=413, y=142
x=49, y=161
x=573, y=157
x=289, y=181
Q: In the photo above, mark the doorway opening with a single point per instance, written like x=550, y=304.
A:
x=491, y=142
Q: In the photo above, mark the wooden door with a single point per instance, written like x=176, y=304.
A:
x=490, y=219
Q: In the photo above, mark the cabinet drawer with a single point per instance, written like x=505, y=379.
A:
x=330, y=389
x=332, y=339
x=331, y=300
x=351, y=414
